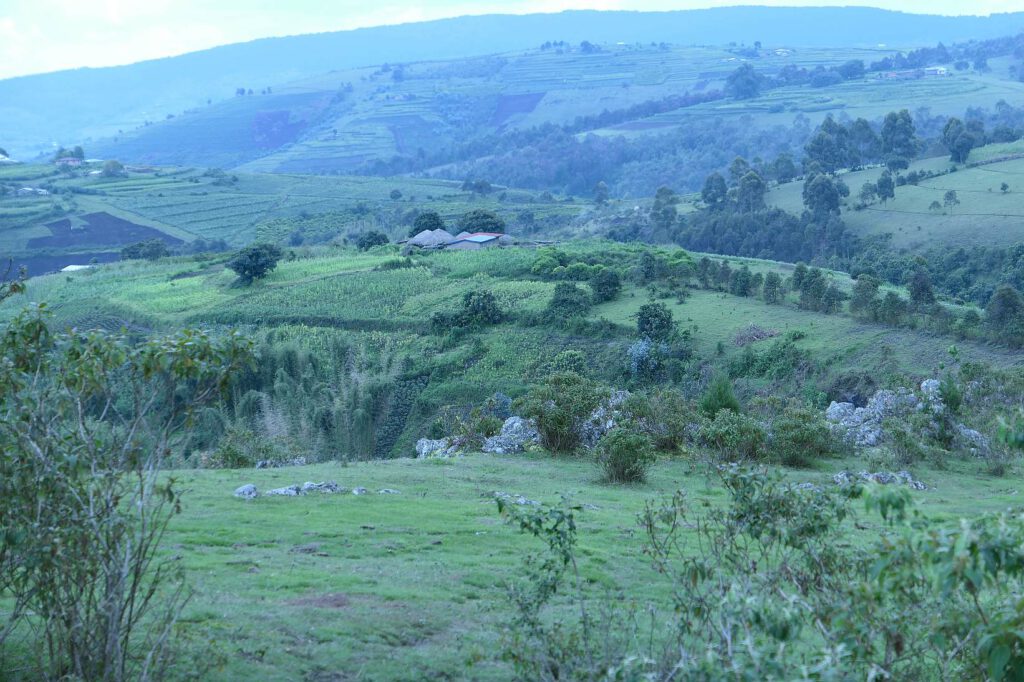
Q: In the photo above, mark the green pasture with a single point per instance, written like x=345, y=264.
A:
x=985, y=216
x=412, y=586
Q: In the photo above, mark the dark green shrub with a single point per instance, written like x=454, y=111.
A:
x=479, y=309
x=606, y=285
x=625, y=456
x=717, y=397
x=951, y=395
x=568, y=301
x=663, y=415
x=801, y=437
x=654, y=321
x=256, y=261
x=240, y=448
x=368, y=240
x=734, y=437
x=559, y=406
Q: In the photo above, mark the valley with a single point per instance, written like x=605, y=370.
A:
x=578, y=346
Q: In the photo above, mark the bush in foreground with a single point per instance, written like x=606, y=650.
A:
x=800, y=437
x=87, y=422
x=559, y=407
x=625, y=456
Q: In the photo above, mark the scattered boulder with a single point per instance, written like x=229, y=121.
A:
x=288, y=491
x=247, y=492
x=516, y=434
x=388, y=491
x=324, y=487
x=880, y=477
x=359, y=490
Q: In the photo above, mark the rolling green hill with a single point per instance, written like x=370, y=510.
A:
x=330, y=299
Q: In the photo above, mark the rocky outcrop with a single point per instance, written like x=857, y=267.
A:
x=862, y=426
x=287, y=491
x=443, y=447
x=973, y=441
x=602, y=420
x=250, y=492
x=324, y=487
x=515, y=499
x=516, y=435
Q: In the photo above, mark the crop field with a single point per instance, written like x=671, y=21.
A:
x=181, y=205
x=985, y=216
x=413, y=586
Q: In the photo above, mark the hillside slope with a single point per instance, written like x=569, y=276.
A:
x=70, y=107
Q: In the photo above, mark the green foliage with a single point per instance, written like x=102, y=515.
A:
x=654, y=322
x=568, y=301
x=801, y=438
x=429, y=220
x=718, y=396
x=733, y=569
x=771, y=291
x=744, y=83
x=113, y=169
x=625, y=456
x=479, y=309
x=151, y=249
x=240, y=448
x=481, y=220
x=734, y=437
x=714, y=192
x=370, y=239
x=606, y=284
x=255, y=262
x=1004, y=315
x=663, y=414
x=567, y=361
x=559, y=406
x=87, y=423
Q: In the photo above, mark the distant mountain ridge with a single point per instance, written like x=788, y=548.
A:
x=71, y=106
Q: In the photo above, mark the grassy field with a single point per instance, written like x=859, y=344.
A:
x=412, y=586
x=985, y=216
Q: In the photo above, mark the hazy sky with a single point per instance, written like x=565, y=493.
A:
x=47, y=35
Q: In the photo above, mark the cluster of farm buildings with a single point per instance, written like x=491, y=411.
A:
x=466, y=241
x=914, y=74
